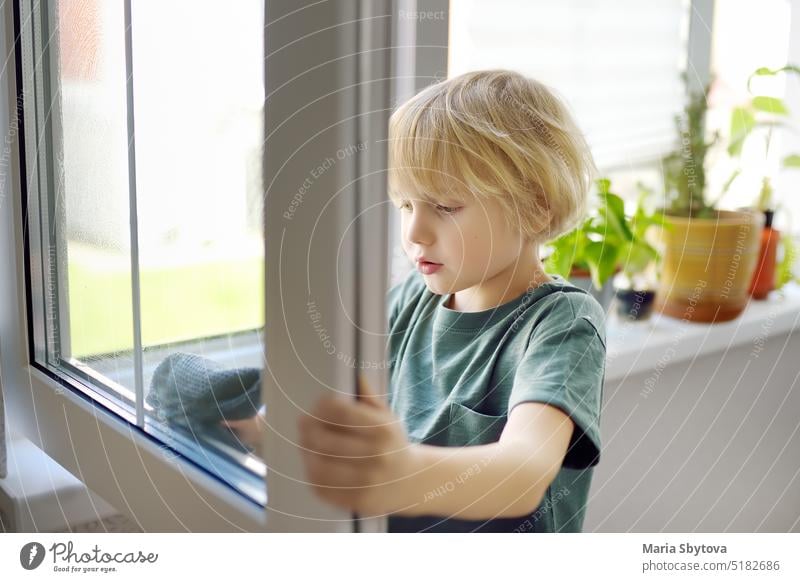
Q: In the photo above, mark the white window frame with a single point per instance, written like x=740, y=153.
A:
x=340, y=52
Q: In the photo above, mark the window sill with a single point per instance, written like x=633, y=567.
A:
x=636, y=347
x=161, y=492
x=39, y=495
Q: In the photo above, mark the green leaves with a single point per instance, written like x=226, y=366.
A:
x=761, y=112
x=769, y=105
x=746, y=118
x=791, y=161
x=742, y=123
x=767, y=72
x=568, y=250
x=602, y=259
x=684, y=168
x=612, y=214
x=635, y=256
x=608, y=240
x=783, y=270
x=765, y=194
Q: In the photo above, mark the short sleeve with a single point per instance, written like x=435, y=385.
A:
x=564, y=366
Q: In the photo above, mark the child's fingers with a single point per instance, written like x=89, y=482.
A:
x=316, y=438
x=367, y=395
x=246, y=430
x=346, y=414
x=231, y=426
x=333, y=481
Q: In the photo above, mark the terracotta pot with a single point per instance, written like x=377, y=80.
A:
x=707, y=265
x=764, y=276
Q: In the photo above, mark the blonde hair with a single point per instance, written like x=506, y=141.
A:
x=493, y=134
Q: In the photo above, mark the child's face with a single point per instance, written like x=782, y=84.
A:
x=469, y=240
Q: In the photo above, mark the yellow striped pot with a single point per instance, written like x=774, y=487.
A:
x=707, y=265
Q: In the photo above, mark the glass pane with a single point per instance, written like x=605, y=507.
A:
x=96, y=331
x=198, y=98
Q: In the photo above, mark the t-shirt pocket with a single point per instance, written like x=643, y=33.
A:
x=468, y=427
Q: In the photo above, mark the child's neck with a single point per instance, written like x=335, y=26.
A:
x=506, y=286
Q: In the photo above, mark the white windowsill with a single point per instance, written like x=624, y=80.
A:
x=39, y=495
x=635, y=347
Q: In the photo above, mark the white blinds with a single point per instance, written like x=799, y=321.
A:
x=617, y=63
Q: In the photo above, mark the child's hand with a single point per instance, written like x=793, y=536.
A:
x=250, y=431
x=357, y=454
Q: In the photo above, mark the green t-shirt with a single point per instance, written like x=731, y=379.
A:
x=455, y=376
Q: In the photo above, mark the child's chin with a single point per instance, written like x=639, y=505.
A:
x=437, y=288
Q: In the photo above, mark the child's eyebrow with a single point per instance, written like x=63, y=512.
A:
x=437, y=201
x=446, y=199
x=452, y=200
x=440, y=197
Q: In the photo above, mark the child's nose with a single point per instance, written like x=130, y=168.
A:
x=419, y=230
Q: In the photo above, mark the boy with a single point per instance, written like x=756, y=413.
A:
x=497, y=368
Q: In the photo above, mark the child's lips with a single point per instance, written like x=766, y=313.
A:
x=428, y=267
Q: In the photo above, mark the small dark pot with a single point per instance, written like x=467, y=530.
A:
x=634, y=305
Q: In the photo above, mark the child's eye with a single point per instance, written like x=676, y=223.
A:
x=447, y=209
x=404, y=206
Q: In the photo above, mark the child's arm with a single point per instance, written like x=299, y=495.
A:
x=358, y=457
x=503, y=479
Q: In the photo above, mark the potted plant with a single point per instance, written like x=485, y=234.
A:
x=577, y=256
x=760, y=116
x=709, y=255
x=588, y=254
x=784, y=271
x=635, y=285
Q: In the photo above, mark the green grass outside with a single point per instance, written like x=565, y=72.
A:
x=178, y=302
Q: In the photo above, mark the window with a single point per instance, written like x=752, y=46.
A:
x=187, y=186
x=768, y=38
x=617, y=64
x=149, y=193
